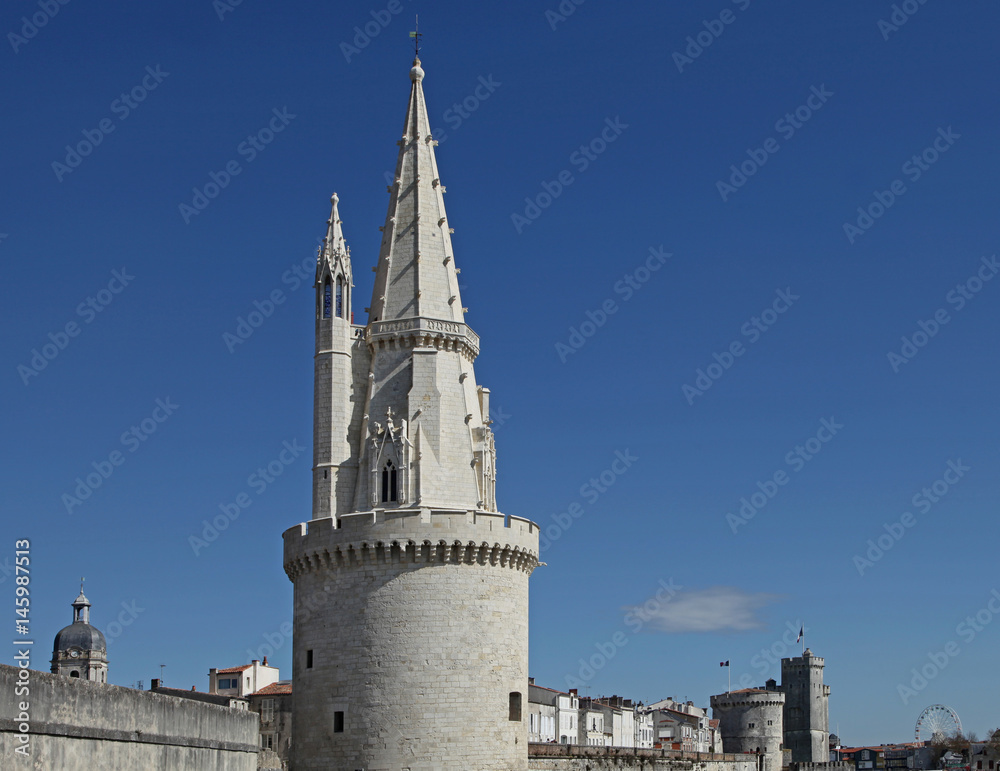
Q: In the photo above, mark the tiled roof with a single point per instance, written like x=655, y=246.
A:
x=274, y=689
x=234, y=670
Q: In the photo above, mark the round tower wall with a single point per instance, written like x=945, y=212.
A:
x=417, y=624
x=752, y=722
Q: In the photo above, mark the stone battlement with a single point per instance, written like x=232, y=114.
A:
x=749, y=699
x=411, y=536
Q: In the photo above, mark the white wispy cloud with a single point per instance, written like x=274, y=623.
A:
x=715, y=609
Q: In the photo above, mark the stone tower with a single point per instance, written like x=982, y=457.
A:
x=410, y=644
x=80, y=649
x=807, y=713
x=750, y=720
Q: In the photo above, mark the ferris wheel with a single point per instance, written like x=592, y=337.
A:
x=937, y=722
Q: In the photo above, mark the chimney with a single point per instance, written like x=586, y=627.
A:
x=154, y=684
x=531, y=681
x=265, y=661
x=192, y=687
x=573, y=692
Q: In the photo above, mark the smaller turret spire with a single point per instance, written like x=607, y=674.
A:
x=334, y=233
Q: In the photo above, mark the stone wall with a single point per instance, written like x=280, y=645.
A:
x=561, y=757
x=74, y=724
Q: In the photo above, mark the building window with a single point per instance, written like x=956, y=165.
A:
x=340, y=297
x=267, y=710
x=514, y=704
x=389, y=489
x=750, y=725
x=338, y=722
x=267, y=741
x=327, y=298
x=74, y=673
x=309, y=659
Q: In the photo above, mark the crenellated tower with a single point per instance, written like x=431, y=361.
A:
x=410, y=644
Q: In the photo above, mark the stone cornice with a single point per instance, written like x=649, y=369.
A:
x=425, y=332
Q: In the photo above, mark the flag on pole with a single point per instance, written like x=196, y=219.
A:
x=723, y=663
x=802, y=630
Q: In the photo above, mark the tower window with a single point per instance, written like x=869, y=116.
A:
x=338, y=722
x=514, y=706
x=74, y=673
x=340, y=297
x=327, y=298
x=390, y=490
x=309, y=659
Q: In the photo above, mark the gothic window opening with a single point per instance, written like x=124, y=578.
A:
x=327, y=298
x=340, y=297
x=74, y=673
x=390, y=491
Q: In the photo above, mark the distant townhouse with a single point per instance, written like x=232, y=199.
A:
x=562, y=707
x=274, y=705
x=243, y=680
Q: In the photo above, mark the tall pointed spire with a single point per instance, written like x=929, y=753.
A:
x=416, y=273
x=427, y=441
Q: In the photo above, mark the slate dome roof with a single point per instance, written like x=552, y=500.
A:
x=80, y=635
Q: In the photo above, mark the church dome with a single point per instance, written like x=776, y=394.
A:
x=80, y=635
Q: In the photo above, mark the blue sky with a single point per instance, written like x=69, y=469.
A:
x=685, y=262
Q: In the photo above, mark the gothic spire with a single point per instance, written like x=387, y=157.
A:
x=334, y=242
x=416, y=275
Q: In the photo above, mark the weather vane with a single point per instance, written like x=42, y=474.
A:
x=416, y=35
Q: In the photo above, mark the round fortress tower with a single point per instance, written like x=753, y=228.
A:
x=750, y=720
x=410, y=642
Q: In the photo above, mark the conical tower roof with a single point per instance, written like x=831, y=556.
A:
x=416, y=274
